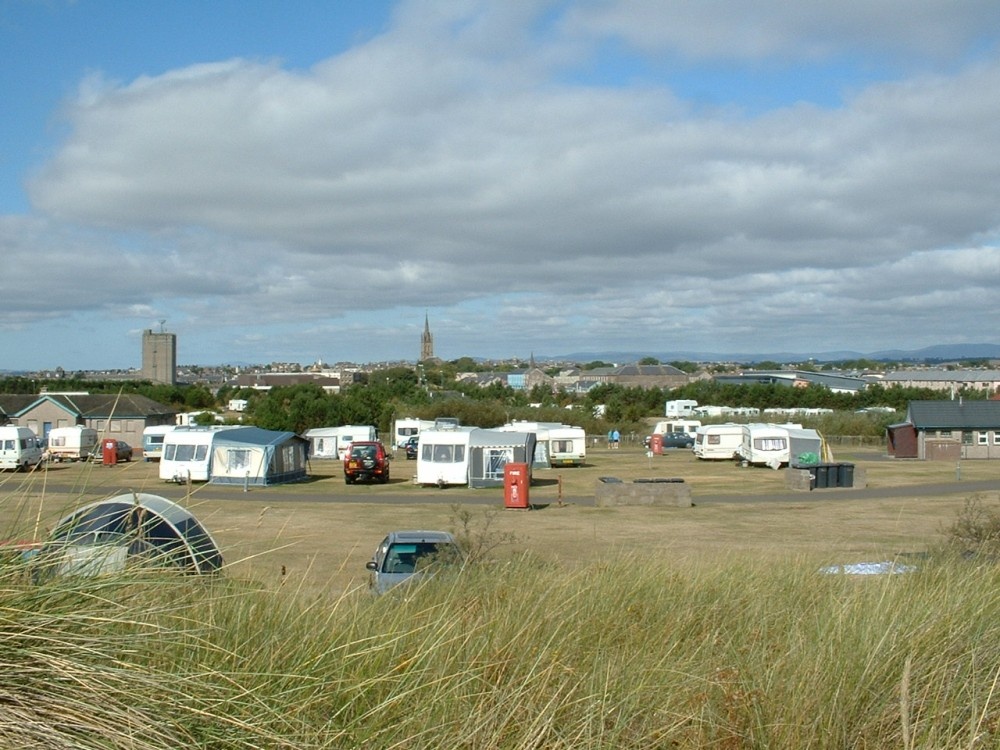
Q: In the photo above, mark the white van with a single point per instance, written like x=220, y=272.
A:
x=20, y=448
x=76, y=443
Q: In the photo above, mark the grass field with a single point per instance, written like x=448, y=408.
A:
x=624, y=627
x=315, y=536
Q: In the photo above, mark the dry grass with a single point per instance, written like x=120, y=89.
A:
x=316, y=536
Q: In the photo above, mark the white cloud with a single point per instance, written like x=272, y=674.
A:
x=428, y=168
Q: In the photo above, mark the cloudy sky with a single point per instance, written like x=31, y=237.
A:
x=300, y=181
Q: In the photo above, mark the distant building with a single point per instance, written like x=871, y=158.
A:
x=159, y=357
x=947, y=430
x=426, y=342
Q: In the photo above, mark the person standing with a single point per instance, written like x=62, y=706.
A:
x=615, y=438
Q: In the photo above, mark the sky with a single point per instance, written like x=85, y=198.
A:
x=306, y=181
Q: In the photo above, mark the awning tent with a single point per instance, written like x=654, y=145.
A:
x=491, y=450
x=254, y=456
x=133, y=529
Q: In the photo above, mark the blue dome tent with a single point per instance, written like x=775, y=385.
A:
x=133, y=529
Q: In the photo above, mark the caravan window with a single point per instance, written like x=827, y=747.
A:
x=562, y=446
x=8, y=445
x=183, y=452
x=770, y=444
x=443, y=454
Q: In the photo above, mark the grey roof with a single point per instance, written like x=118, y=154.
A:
x=954, y=414
x=649, y=371
x=943, y=376
x=256, y=436
x=90, y=406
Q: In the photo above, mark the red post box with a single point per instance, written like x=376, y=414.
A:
x=109, y=452
x=656, y=444
x=515, y=485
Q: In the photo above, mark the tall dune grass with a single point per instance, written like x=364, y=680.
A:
x=622, y=653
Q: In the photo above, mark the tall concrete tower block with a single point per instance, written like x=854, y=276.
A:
x=159, y=357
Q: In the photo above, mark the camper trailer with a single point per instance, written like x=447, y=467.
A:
x=680, y=408
x=187, y=454
x=76, y=443
x=19, y=448
x=766, y=444
x=718, y=441
x=152, y=441
x=688, y=426
x=542, y=458
x=444, y=456
x=406, y=427
x=333, y=442
x=567, y=446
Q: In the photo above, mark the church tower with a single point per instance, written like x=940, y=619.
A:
x=426, y=341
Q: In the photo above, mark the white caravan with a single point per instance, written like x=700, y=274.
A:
x=19, y=448
x=687, y=426
x=718, y=441
x=406, y=427
x=567, y=446
x=187, y=454
x=680, y=408
x=152, y=441
x=443, y=457
x=76, y=443
x=766, y=444
x=333, y=442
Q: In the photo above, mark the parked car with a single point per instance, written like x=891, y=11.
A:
x=405, y=555
x=123, y=452
x=366, y=460
x=412, y=446
x=672, y=440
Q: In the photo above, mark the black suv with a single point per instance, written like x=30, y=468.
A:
x=411, y=447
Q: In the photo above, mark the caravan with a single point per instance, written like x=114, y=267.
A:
x=333, y=442
x=766, y=444
x=406, y=427
x=444, y=456
x=152, y=441
x=19, y=448
x=556, y=444
x=187, y=454
x=718, y=441
x=567, y=446
x=680, y=408
x=77, y=443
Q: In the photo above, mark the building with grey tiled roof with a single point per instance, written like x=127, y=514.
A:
x=947, y=430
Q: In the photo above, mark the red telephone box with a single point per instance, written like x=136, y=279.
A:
x=656, y=444
x=109, y=452
x=515, y=485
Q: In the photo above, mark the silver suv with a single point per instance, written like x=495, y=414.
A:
x=404, y=555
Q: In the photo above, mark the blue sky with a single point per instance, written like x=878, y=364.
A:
x=293, y=182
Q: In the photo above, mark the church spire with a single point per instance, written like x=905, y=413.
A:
x=426, y=341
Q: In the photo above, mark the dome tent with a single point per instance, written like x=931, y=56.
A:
x=107, y=536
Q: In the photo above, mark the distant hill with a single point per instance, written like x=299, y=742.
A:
x=939, y=352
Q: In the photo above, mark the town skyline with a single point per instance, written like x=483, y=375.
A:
x=541, y=177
